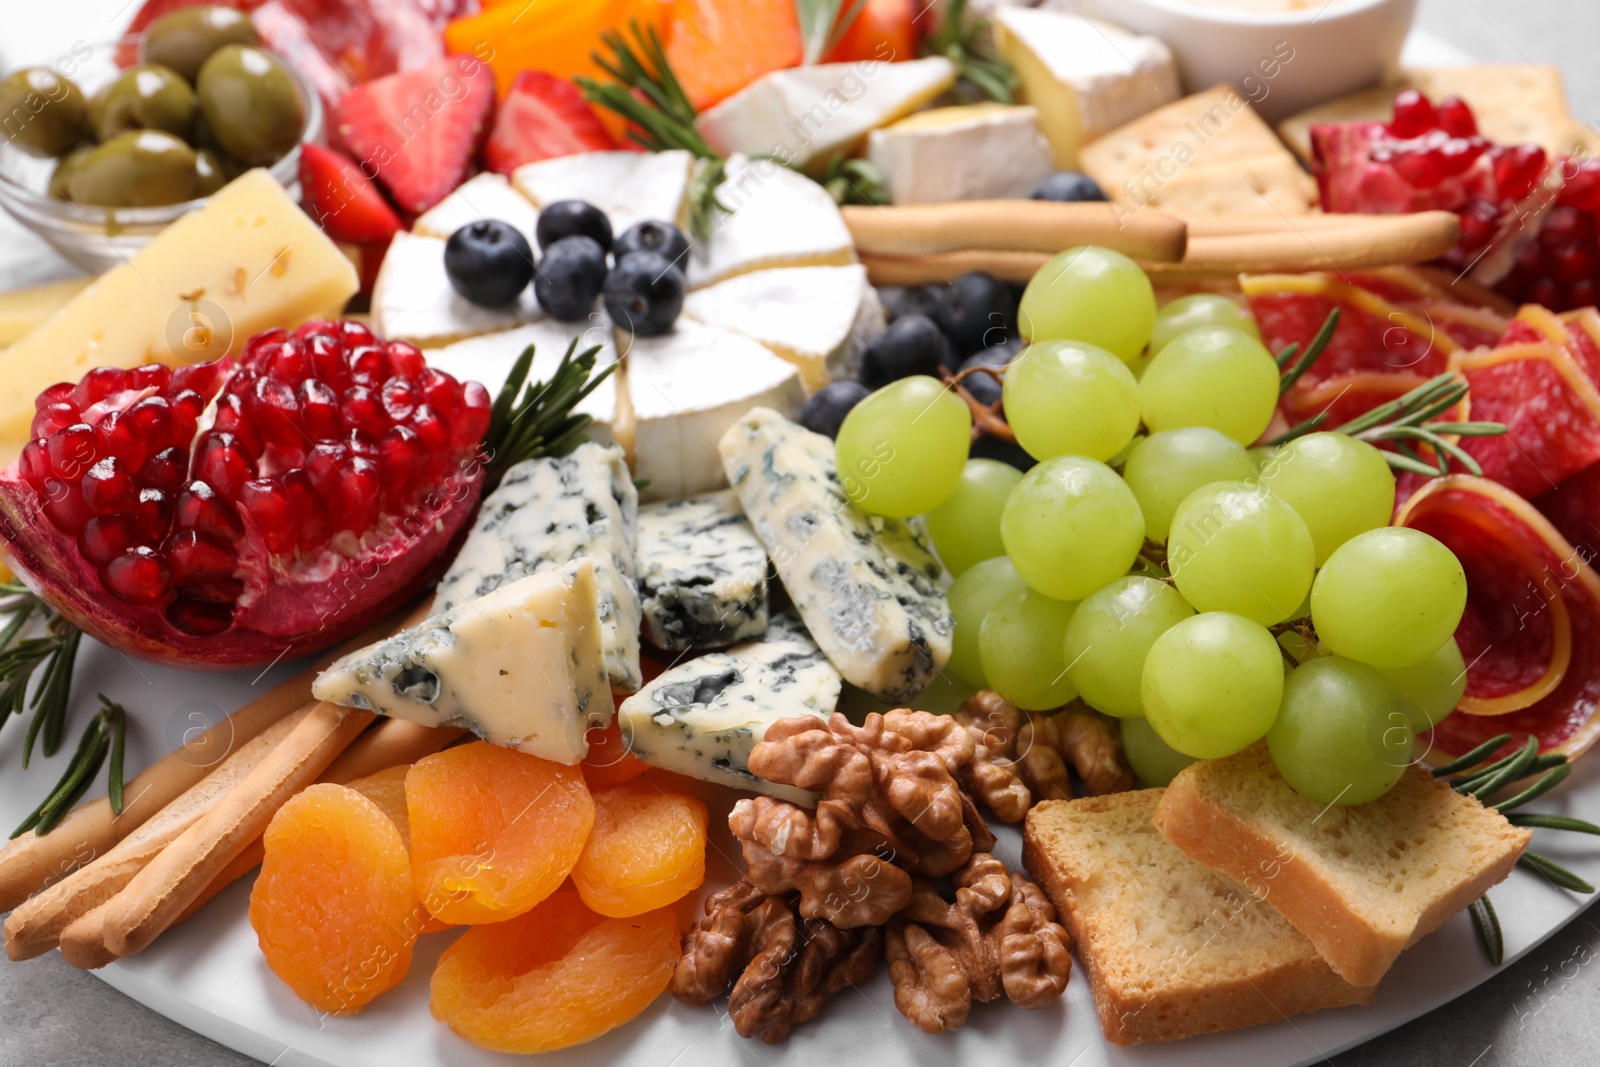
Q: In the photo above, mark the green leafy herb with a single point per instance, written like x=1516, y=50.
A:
x=542, y=422
x=665, y=117
x=854, y=181
x=823, y=23
x=1319, y=345
x=965, y=42
x=1487, y=923
x=106, y=734
x=704, y=181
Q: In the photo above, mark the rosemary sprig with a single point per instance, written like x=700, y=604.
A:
x=1487, y=923
x=21, y=658
x=854, y=181
x=823, y=23
x=542, y=422
x=105, y=734
x=1319, y=345
x=965, y=42
x=665, y=117
x=704, y=181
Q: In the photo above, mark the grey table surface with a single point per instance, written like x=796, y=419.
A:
x=1543, y=1010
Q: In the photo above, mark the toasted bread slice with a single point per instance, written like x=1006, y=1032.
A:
x=1362, y=882
x=1171, y=948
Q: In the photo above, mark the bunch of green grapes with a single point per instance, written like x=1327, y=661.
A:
x=1209, y=594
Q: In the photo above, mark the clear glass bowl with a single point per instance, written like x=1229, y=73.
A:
x=98, y=238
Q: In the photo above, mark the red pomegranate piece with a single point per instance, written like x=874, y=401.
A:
x=232, y=513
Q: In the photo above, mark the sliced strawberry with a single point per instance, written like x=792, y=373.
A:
x=417, y=130
x=543, y=116
x=343, y=200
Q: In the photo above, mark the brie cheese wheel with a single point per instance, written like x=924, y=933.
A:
x=978, y=152
x=806, y=115
x=412, y=299
x=778, y=219
x=628, y=186
x=1086, y=78
x=685, y=389
x=818, y=318
x=487, y=196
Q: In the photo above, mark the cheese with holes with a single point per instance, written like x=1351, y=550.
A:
x=867, y=587
x=685, y=388
x=702, y=718
x=546, y=513
x=805, y=116
x=1086, y=78
x=520, y=666
x=702, y=573
x=628, y=186
x=412, y=299
x=977, y=152
x=248, y=260
x=487, y=196
x=777, y=218
x=818, y=318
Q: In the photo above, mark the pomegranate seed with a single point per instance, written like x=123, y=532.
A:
x=319, y=410
x=476, y=407
x=268, y=504
x=1460, y=153
x=441, y=392
x=197, y=560
x=1414, y=114
x=1423, y=170
x=105, y=537
x=399, y=398
x=354, y=333
x=64, y=506
x=400, y=457
x=405, y=358
x=1479, y=220
x=325, y=466
x=150, y=420
x=361, y=411
x=1572, y=262
x=313, y=327
x=199, y=619
x=107, y=487
x=139, y=576
x=54, y=417
x=72, y=450
x=200, y=509
x=98, y=384
x=203, y=378
x=153, y=514
x=35, y=462
x=277, y=414
x=222, y=464
x=257, y=348
x=1583, y=293
x=307, y=508
x=151, y=376
x=290, y=361
x=1516, y=169
x=328, y=362
x=1456, y=118
x=1581, y=190
x=1564, y=226
x=369, y=366
x=59, y=393
x=187, y=407
x=361, y=444
x=432, y=430
x=165, y=470
x=1544, y=291
x=356, y=505
x=117, y=437
x=231, y=418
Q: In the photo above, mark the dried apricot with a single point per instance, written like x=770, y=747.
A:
x=609, y=760
x=493, y=831
x=647, y=848
x=333, y=907
x=387, y=789
x=556, y=976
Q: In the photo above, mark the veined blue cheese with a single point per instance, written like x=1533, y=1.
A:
x=520, y=667
x=867, y=587
x=702, y=718
x=547, y=512
x=702, y=573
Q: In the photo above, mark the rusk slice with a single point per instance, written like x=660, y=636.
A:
x=1171, y=949
x=1362, y=882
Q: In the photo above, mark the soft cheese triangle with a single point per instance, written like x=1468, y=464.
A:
x=487, y=196
x=545, y=513
x=777, y=218
x=950, y=153
x=629, y=187
x=702, y=573
x=867, y=587
x=520, y=667
x=412, y=300
x=701, y=719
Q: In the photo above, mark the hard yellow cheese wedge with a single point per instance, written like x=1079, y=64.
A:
x=22, y=310
x=247, y=261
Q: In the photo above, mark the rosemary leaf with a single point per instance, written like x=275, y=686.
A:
x=74, y=781
x=1537, y=789
x=1283, y=358
x=963, y=41
x=1300, y=429
x=1541, y=821
x=542, y=422
x=1471, y=759
x=1553, y=872
x=823, y=23
x=1487, y=924
x=119, y=741
x=1318, y=345
x=1490, y=784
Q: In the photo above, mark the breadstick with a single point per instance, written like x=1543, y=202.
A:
x=1020, y=225
x=161, y=892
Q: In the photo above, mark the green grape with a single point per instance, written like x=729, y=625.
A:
x=1120, y=460
x=966, y=528
x=1340, y=736
x=1262, y=455
x=1212, y=683
x=1388, y=597
x=1201, y=309
x=1109, y=636
x=901, y=451
x=1154, y=762
x=1090, y=294
x=1338, y=485
x=971, y=596
x=1020, y=646
x=1067, y=398
x=1236, y=547
x=1070, y=526
x=1211, y=376
x=1431, y=688
x=1170, y=465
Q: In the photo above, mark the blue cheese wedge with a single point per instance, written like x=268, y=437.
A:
x=520, y=667
x=546, y=513
x=702, y=719
x=702, y=573
x=867, y=587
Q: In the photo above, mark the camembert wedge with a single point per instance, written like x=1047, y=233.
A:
x=413, y=300
x=487, y=196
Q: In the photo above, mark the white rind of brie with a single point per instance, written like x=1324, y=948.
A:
x=978, y=152
x=412, y=299
x=778, y=219
x=487, y=196
x=629, y=187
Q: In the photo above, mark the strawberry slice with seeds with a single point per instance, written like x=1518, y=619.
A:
x=344, y=201
x=543, y=116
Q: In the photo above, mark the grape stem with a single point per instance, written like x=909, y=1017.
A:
x=986, y=418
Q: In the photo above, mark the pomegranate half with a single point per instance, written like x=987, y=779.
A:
x=233, y=513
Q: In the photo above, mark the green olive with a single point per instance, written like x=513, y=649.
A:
x=212, y=171
x=184, y=39
x=251, y=104
x=61, y=177
x=147, y=97
x=139, y=168
x=42, y=113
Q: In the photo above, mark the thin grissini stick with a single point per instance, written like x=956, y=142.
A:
x=1019, y=225
x=943, y=267
x=166, y=888
x=1236, y=225
x=35, y=927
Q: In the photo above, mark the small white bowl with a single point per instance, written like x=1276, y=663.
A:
x=1333, y=47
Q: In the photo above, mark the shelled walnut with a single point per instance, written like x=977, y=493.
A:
x=1039, y=747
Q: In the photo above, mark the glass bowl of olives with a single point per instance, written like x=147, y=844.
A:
x=107, y=146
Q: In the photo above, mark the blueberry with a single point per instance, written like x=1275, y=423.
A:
x=987, y=447
x=1069, y=186
x=572, y=218
x=570, y=276
x=913, y=344
x=644, y=293
x=913, y=300
x=824, y=413
x=653, y=235
x=977, y=312
x=488, y=262
x=984, y=389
